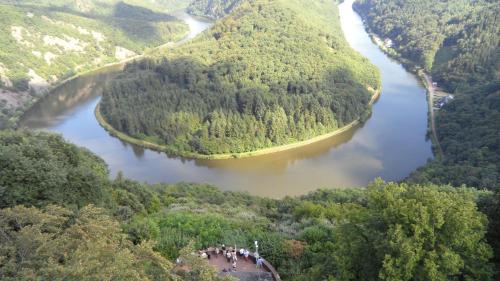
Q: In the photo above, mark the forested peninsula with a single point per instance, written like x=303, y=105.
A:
x=458, y=43
x=270, y=73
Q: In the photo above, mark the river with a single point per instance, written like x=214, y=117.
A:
x=390, y=145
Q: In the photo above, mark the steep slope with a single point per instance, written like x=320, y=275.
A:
x=214, y=9
x=271, y=73
x=44, y=42
x=458, y=42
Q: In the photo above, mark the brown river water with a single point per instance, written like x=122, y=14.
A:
x=390, y=145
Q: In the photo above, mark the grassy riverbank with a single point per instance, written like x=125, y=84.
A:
x=163, y=148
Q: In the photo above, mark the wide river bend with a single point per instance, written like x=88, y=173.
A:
x=390, y=145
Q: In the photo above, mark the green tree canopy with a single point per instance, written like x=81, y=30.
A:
x=39, y=169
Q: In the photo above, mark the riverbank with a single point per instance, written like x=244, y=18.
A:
x=427, y=81
x=424, y=78
x=107, y=67
x=118, y=64
x=163, y=148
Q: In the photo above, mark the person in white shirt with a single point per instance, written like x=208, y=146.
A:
x=217, y=251
x=260, y=261
x=235, y=258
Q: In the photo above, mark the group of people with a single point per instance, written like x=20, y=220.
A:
x=231, y=255
x=204, y=254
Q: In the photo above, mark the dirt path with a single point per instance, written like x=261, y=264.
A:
x=430, y=94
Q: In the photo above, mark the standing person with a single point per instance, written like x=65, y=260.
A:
x=228, y=256
x=233, y=253
x=260, y=261
x=217, y=251
x=235, y=258
x=246, y=254
x=242, y=251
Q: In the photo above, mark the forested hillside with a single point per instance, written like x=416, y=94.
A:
x=124, y=230
x=458, y=43
x=44, y=42
x=270, y=73
x=214, y=9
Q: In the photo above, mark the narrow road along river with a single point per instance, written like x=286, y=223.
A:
x=391, y=144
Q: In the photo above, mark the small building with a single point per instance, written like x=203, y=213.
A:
x=444, y=100
x=388, y=43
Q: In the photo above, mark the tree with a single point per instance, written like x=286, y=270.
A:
x=40, y=169
x=411, y=232
x=56, y=244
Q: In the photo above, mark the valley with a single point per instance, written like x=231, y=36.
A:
x=351, y=140
x=350, y=159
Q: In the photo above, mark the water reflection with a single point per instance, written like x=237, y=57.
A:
x=64, y=100
x=390, y=144
x=281, y=160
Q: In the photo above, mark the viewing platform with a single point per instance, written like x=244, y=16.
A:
x=246, y=269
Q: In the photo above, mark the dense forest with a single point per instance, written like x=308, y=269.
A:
x=44, y=42
x=213, y=9
x=458, y=43
x=387, y=231
x=270, y=73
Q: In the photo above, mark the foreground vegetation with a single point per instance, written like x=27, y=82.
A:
x=44, y=42
x=122, y=229
x=458, y=42
x=270, y=73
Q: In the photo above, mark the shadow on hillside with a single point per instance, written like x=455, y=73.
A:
x=137, y=23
